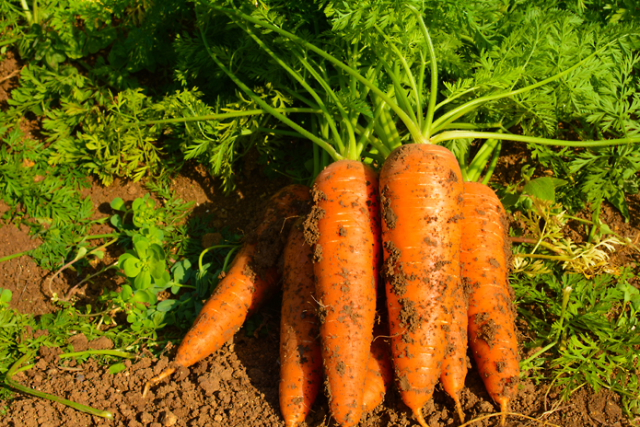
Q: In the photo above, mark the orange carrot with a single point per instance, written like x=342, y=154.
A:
x=485, y=270
x=454, y=367
x=380, y=372
x=421, y=197
x=344, y=230
x=252, y=277
x=300, y=353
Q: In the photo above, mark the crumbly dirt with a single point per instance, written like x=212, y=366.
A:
x=238, y=386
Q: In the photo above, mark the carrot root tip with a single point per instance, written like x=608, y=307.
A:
x=504, y=409
x=459, y=410
x=420, y=418
x=155, y=380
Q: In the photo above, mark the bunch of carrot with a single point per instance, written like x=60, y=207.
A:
x=445, y=272
x=441, y=248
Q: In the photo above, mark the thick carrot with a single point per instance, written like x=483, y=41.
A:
x=344, y=229
x=454, y=367
x=380, y=371
x=421, y=197
x=300, y=352
x=252, y=277
x=485, y=270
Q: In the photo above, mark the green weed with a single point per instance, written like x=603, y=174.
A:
x=585, y=330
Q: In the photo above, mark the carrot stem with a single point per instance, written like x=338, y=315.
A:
x=271, y=110
x=412, y=127
x=9, y=381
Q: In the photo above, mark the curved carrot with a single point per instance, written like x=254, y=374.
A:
x=249, y=281
x=380, y=372
x=454, y=367
x=300, y=353
x=421, y=197
x=344, y=229
x=485, y=270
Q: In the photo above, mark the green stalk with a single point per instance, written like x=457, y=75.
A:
x=431, y=108
x=407, y=69
x=413, y=129
x=27, y=12
x=343, y=112
x=492, y=164
x=472, y=126
x=401, y=96
x=268, y=108
x=366, y=134
x=302, y=82
x=9, y=381
x=210, y=248
x=117, y=353
x=479, y=162
x=222, y=116
x=475, y=103
x=385, y=127
x=453, y=98
x=449, y=135
x=12, y=256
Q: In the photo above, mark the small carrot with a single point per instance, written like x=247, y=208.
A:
x=252, y=277
x=300, y=352
x=380, y=371
x=421, y=198
x=454, y=367
x=485, y=270
x=344, y=230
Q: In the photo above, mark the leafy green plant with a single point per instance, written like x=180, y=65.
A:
x=586, y=332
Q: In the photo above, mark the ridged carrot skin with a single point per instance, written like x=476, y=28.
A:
x=380, y=372
x=455, y=365
x=344, y=229
x=421, y=198
x=485, y=267
x=249, y=281
x=300, y=352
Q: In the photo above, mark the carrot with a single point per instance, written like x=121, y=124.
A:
x=421, y=197
x=485, y=266
x=454, y=367
x=380, y=372
x=300, y=353
x=344, y=230
x=252, y=277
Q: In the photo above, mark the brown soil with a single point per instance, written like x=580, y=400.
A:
x=238, y=385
